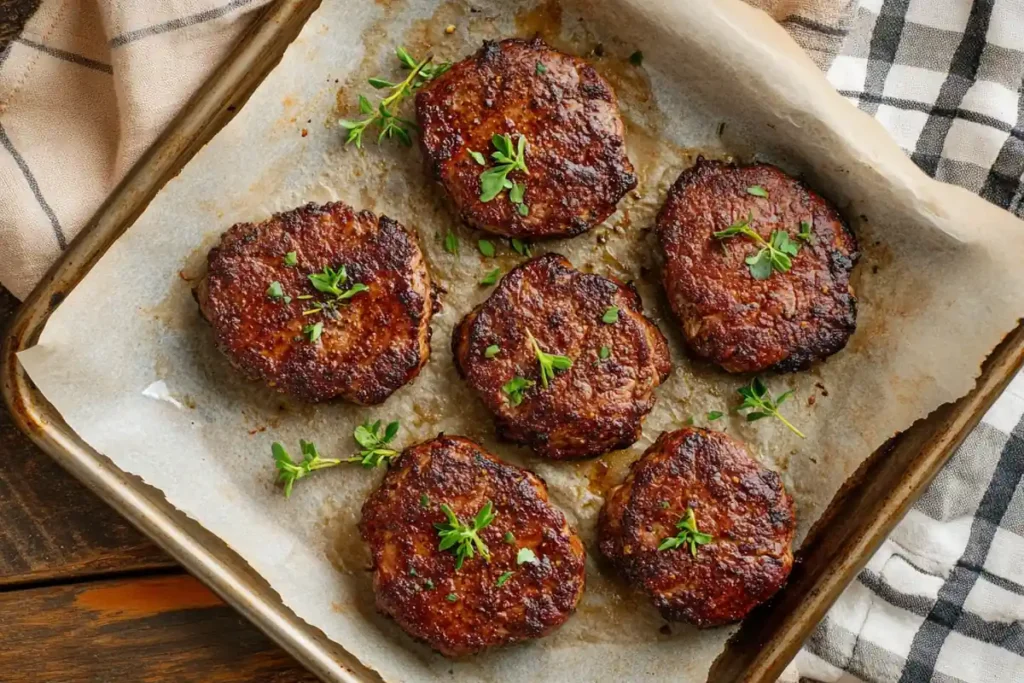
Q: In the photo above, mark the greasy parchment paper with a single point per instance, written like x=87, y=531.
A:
x=130, y=365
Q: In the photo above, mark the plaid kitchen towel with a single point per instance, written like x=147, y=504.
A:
x=90, y=84
x=943, y=599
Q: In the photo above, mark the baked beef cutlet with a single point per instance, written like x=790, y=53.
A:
x=740, y=553
x=361, y=336
x=786, y=320
x=523, y=583
x=616, y=357
x=568, y=119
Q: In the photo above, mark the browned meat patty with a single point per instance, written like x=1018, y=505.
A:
x=575, y=155
x=527, y=586
x=784, y=322
x=596, y=405
x=276, y=326
x=740, y=555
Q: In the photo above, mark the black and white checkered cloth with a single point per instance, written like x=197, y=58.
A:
x=943, y=599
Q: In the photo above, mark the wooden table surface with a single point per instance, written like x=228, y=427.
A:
x=86, y=597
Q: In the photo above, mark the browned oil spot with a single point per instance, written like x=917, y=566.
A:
x=608, y=471
x=608, y=600
x=375, y=40
x=134, y=599
x=340, y=526
x=426, y=415
x=545, y=20
x=430, y=36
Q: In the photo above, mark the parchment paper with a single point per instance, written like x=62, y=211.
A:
x=132, y=367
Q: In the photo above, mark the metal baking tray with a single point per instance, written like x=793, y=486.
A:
x=859, y=518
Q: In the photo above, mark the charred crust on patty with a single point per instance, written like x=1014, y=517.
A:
x=463, y=611
x=595, y=406
x=370, y=345
x=785, y=322
x=740, y=503
x=575, y=154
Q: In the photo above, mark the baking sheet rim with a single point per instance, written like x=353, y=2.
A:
x=223, y=94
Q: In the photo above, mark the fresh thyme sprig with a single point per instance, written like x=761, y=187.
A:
x=463, y=539
x=509, y=157
x=367, y=435
x=774, y=254
x=688, y=534
x=548, y=362
x=759, y=401
x=290, y=472
x=374, y=443
x=383, y=116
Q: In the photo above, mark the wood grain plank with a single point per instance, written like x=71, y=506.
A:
x=169, y=628
x=55, y=528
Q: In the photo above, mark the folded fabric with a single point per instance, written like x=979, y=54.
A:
x=84, y=91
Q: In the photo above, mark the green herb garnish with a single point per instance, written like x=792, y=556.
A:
x=428, y=584
x=486, y=248
x=525, y=556
x=757, y=191
x=330, y=281
x=492, y=351
x=510, y=538
x=604, y=353
x=541, y=69
x=275, y=291
x=774, y=254
x=514, y=389
x=688, y=534
x=424, y=501
x=477, y=157
x=290, y=472
x=521, y=248
x=491, y=277
x=637, y=58
x=384, y=114
x=463, y=539
x=714, y=415
x=291, y=259
x=758, y=400
x=502, y=579
x=548, y=362
x=373, y=443
x=451, y=597
x=509, y=158
x=517, y=194
x=313, y=332
x=611, y=316
x=451, y=243
x=805, y=232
